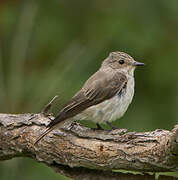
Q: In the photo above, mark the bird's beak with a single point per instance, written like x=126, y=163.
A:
x=138, y=63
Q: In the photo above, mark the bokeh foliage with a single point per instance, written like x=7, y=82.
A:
x=52, y=47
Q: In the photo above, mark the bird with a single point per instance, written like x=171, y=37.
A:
x=104, y=97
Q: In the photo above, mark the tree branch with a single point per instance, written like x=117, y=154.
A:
x=74, y=150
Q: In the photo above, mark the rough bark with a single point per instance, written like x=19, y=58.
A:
x=76, y=151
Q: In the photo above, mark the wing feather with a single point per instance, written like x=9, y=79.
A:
x=97, y=89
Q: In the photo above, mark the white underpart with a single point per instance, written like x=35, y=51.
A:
x=111, y=109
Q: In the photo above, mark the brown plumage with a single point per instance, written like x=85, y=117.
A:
x=108, y=81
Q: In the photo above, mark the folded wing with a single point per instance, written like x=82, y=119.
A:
x=97, y=89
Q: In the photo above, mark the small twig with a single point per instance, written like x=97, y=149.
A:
x=48, y=106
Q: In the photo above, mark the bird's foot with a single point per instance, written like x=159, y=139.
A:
x=112, y=127
x=115, y=130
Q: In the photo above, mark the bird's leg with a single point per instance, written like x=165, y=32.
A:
x=112, y=127
x=99, y=126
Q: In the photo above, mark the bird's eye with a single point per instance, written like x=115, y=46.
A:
x=121, y=61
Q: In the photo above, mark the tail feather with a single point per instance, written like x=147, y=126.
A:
x=49, y=129
x=52, y=125
x=58, y=121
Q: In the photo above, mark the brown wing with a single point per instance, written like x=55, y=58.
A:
x=100, y=87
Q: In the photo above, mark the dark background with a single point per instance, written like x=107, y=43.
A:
x=50, y=48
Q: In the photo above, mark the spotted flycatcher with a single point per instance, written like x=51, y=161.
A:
x=104, y=97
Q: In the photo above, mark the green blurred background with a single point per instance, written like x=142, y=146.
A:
x=50, y=48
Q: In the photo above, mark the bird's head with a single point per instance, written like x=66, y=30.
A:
x=121, y=61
